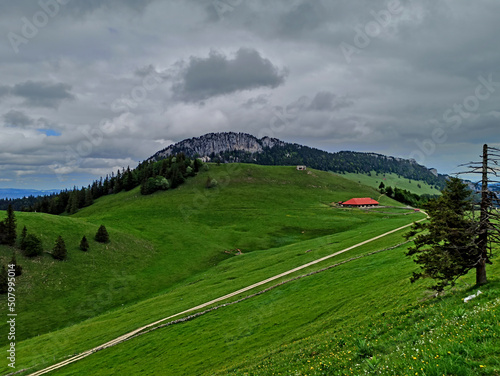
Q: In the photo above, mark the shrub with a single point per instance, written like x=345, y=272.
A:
x=211, y=183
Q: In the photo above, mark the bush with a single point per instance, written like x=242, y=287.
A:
x=154, y=184
x=211, y=183
x=102, y=235
x=32, y=246
x=59, y=252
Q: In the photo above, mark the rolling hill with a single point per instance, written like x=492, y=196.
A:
x=173, y=250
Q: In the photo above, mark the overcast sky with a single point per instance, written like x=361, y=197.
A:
x=89, y=86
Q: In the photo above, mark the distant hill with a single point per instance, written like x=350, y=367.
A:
x=228, y=147
x=13, y=193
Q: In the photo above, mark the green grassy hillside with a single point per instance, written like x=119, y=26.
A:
x=363, y=317
x=160, y=240
x=373, y=180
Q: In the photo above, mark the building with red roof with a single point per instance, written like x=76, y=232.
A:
x=359, y=203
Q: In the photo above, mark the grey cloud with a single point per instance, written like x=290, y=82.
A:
x=4, y=90
x=216, y=75
x=304, y=17
x=17, y=119
x=322, y=101
x=42, y=94
x=327, y=101
x=261, y=100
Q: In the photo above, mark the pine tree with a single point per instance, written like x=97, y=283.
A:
x=102, y=235
x=22, y=240
x=389, y=192
x=118, y=187
x=446, y=247
x=59, y=251
x=10, y=222
x=89, y=200
x=84, y=244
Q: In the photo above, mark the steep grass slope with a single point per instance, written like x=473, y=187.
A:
x=362, y=317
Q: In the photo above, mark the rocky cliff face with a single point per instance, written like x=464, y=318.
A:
x=216, y=143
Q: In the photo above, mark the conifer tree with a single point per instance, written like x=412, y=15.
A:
x=84, y=244
x=32, y=246
x=446, y=246
x=59, y=251
x=89, y=200
x=22, y=240
x=102, y=235
x=10, y=223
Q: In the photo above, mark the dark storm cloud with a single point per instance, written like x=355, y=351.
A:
x=217, y=74
x=17, y=119
x=41, y=94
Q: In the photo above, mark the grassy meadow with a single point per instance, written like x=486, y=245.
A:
x=374, y=180
x=176, y=249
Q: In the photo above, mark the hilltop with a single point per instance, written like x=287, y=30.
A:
x=230, y=147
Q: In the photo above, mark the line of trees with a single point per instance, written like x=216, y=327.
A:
x=151, y=176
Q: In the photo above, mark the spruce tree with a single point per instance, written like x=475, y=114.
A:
x=84, y=244
x=22, y=240
x=10, y=222
x=445, y=246
x=102, y=235
x=59, y=251
x=32, y=246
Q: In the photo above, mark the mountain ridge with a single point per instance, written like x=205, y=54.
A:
x=229, y=147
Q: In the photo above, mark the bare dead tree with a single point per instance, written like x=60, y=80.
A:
x=488, y=226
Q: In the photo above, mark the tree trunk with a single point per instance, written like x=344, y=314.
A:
x=481, y=273
x=483, y=224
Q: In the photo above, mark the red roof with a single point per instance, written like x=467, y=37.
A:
x=361, y=201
